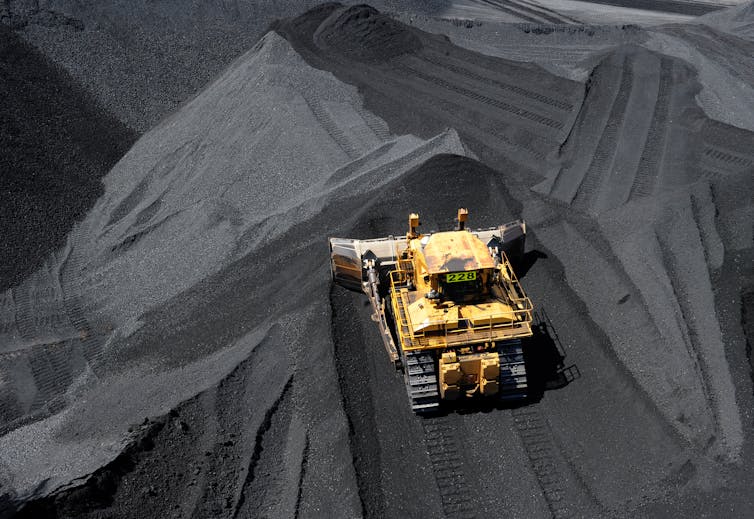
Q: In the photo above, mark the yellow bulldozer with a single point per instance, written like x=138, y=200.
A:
x=450, y=310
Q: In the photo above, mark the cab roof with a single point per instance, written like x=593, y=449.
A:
x=456, y=251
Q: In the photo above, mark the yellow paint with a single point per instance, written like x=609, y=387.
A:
x=453, y=251
x=489, y=313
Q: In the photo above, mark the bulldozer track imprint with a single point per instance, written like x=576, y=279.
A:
x=562, y=105
x=501, y=139
x=502, y=105
x=646, y=174
x=600, y=165
x=540, y=450
x=527, y=11
x=722, y=156
x=556, y=17
x=328, y=123
x=513, y=12
x=447, y=463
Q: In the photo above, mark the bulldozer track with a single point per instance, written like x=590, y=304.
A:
x=447, y=463
x=646, y=174
x=421, y=381
x=502, y=105
x=535, y=436
x=513, y=380
x=522, y=92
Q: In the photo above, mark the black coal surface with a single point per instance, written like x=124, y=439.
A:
x=140, y=60
x=669, y=6
x=186, y=354
x=57, y=144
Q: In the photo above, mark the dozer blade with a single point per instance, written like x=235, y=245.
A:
x=347, y=256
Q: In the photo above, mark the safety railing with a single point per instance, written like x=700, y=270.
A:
x=492, y=327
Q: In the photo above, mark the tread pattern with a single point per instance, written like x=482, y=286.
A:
x=651, y=158
x=540, y=450
x=502, y=105
x=513, y=381
x=421, y=381
x=528, y=94
x=447, y=463
x=333, y=130
x=599, y=167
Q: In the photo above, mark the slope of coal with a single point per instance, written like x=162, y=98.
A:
x=640, y=245
x=193, y=263
x=738, y=20
x=196, y=292
x=440, y=85
x=142, y=59
x=56, y=146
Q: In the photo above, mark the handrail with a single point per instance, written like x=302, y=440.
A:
x=521, y=309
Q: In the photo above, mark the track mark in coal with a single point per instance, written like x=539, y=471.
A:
x=513, y=12
x=363, y=441
x=494, y=139
x=540, y=450
x=727, y=158
x=344, y=173
x=669, y=6
x=256, y=495
x=502, y=105
x=690, y=338
x=654, y=146
x=599, y=167
x=377, y=125
x=331, y=127
x=526, y=11
x=52, y=375
x=558, y=18
x=447, y=462
x=528, y=94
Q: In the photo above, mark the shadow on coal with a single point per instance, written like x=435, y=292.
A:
x=546, y=370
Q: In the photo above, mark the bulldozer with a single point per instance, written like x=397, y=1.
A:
x=451, y=312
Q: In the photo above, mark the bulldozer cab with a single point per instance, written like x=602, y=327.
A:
x=458, y=264
x=464, y=286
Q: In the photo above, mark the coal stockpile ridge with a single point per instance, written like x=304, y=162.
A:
x=439, y=85
x=738, y=20
x=380, y=37
x=670, y=6
x=141, y=60
x=57, y=144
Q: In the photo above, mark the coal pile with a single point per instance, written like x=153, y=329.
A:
x=56, y=146
x=182, y=351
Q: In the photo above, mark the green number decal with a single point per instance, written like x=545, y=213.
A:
x=455, y=277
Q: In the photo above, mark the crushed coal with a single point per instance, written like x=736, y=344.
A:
x=170, y=339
